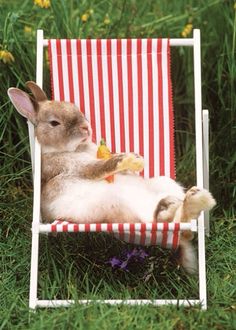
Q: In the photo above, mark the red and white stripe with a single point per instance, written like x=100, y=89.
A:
x=124, y=88
x=163, y=234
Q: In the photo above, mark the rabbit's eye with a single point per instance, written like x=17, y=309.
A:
x=54, y=123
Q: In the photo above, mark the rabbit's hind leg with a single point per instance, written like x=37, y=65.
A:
x=195, y=201
x=186, y=256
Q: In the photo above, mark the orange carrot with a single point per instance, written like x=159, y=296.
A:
x=103, y=152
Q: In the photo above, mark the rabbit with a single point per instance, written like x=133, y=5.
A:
x=73, y=179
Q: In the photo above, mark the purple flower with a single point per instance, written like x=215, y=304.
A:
x=124, y=265
x=143, y=254
x=135, y=255
x=115, y=262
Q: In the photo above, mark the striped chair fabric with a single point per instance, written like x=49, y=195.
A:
x=123, y=87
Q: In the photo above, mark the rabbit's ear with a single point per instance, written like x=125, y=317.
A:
x=23, y=103
x=37, y=91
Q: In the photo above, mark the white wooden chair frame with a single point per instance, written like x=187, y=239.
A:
x=202, y=178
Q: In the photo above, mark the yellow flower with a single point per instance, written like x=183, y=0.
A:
x=85, y=17
x=107, y=20
x=6, y=57
x=27, y=29
x=42, y=3
x=187, y=30
x=235, y=6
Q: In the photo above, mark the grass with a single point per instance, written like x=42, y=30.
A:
x=72, y=266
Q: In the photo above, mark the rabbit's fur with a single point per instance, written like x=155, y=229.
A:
x=73, y=179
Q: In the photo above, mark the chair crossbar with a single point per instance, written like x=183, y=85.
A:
x=132, y=302
x=65, y=226
x=177, y=42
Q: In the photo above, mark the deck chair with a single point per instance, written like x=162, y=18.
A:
x=124, y=88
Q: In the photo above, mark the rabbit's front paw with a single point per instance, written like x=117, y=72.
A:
x=132, y=162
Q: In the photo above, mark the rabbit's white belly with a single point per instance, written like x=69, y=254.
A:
x=129, y=199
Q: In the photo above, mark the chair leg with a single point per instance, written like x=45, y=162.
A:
x=205, y=118
x=202, y=262
x=34, y=270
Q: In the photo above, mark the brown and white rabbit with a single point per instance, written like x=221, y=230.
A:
x=73, y=179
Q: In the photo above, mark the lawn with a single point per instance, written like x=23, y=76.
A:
x=79, y=267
